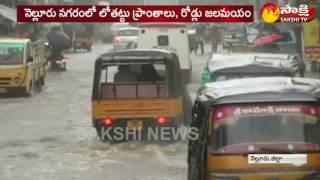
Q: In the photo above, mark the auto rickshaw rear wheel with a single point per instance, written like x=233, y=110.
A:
x=196, y=168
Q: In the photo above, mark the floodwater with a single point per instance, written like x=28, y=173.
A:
x=49, y=136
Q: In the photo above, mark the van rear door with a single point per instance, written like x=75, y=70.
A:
x=171, y=37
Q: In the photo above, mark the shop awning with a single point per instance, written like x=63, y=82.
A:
x=8, y=13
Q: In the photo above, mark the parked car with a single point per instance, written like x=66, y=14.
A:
x=109, y=35
x=132, y=45
x=124, y=36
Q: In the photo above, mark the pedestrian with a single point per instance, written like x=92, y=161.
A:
x=200, y=33
x=125, y=75
x=214, y=39
x=192, y=42
x=149, y=74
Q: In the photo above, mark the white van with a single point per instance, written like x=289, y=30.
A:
x=117, y=26
x=172, y=37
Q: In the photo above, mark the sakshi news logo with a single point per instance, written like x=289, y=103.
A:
x=272, y=13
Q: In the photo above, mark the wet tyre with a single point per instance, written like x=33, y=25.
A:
x=192, y=172
x=28, y=91
x=195, y=171
x=196, y=161
x=43, y=81
x=64, y=67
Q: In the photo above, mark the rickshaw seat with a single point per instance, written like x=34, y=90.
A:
x=152, y=90
x=147, y=91
x=110, y=91
x=126, y=91
x=107, y=91
x=132, y=91
x=163, y=90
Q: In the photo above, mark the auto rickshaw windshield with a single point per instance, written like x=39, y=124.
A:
x=11, y=53
x=266, y=129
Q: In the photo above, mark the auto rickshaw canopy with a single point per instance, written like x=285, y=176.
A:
x=253, y=63
x=142, y=56
x=263, y=89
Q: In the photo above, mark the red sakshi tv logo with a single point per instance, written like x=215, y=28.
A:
x=271, y=13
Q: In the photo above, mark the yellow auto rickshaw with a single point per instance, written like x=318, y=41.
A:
x=22, y=66
x=256, y=129
x=136, y=90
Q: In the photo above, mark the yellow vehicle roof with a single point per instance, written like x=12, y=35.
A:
x=13, y=40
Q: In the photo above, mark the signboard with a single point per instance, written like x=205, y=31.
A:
x=295, y=159
x=312, y=40
x=223, y=113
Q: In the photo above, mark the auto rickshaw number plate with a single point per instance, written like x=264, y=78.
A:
x=3, y=90
x=135, y=124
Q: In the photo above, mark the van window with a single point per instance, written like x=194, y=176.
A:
x=163, y=41
x=117, y=26
x=128, y=32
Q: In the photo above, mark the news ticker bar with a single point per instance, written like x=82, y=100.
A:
x=135, y=13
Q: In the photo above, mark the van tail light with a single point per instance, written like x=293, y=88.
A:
x=116, y=40
x=107, y=121
x=161, y=120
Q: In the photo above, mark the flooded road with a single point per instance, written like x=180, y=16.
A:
x=49, y=136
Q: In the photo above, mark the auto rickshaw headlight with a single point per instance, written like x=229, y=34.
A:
x=17, y=80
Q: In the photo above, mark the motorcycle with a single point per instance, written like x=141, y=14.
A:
x=57, y=60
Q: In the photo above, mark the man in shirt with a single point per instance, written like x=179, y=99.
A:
x=124, y=74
